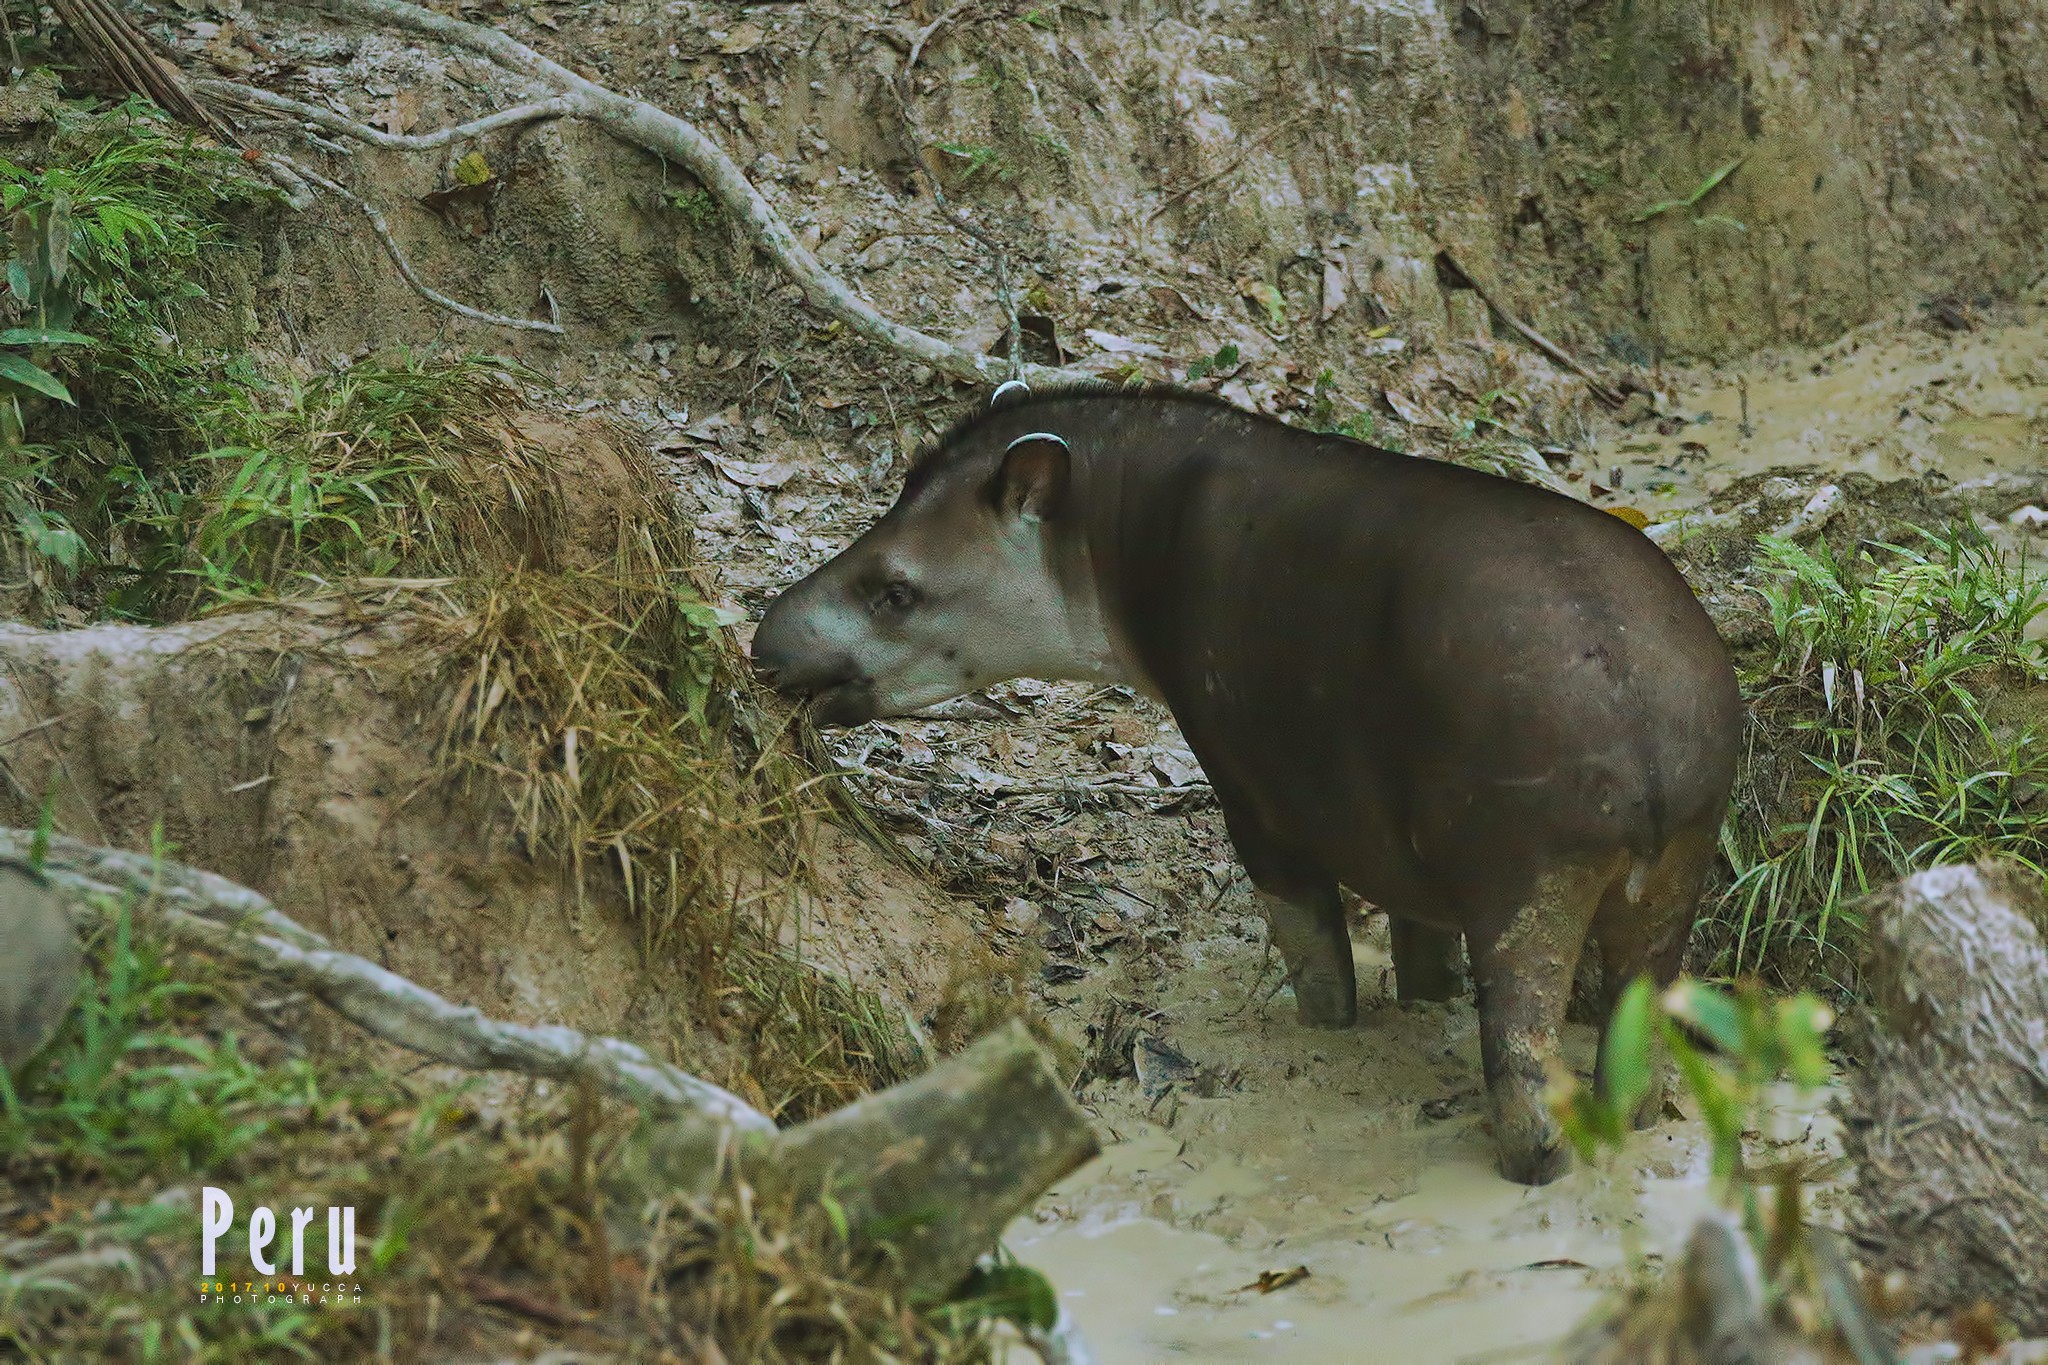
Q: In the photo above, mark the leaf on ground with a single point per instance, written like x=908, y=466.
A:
x=1336, y=287
x=1268, y=298
x=401, y=113
x=1270, y=1280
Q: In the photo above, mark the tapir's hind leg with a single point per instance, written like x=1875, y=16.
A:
x=1648, y=934
x=1523, y=972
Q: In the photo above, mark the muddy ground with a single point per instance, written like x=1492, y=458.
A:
x=1241, y=1143
x=1062, y=842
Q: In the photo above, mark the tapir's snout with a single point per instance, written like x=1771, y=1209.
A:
x=792, y=656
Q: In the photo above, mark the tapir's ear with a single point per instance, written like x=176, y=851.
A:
x=1033, y=479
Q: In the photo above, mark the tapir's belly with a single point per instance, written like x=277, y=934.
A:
x=1424, y=788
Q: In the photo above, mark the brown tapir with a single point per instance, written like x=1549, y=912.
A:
x=1487, y=708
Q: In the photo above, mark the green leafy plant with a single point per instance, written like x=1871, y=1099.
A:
x=974, y=160
x=1003, y=1290
x=1728, y=1047
x=697, y=206
x=1360, y=426
x=1221, y=365
x=1754, y=1039
x=105, y=237
x=123, y=1083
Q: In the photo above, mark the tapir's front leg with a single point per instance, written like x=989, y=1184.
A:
x=1425, y=960
x=1307, y=925
x=1304, y=913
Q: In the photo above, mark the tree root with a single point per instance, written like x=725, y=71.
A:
x=534, y=111
x=674, y=139
x=404, y=267
x=219, y=917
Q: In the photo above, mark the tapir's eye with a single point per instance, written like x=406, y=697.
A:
x=895, y=595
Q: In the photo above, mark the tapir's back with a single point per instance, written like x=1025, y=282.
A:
x=1350, y=635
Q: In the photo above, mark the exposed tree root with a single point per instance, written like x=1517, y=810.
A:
x=981, y=1136
x=534, y=111
x=655, y=130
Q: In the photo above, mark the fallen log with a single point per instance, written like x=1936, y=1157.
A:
x=935, y=1168
x=1947, y=1120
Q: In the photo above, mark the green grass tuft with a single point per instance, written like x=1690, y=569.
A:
x=1872, y=752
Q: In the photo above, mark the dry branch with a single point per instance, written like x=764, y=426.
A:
x=108, y=35
x=229, y=921
x=671, y=138
x=1448, y=267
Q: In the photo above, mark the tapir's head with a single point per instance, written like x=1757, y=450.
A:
x=975, y=576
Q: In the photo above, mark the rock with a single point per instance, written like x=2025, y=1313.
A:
x=39, y=967
x=1635, y=408
x=881, y=255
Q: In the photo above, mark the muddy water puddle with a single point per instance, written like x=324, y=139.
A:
x=1360, y=1157
x=1888, y=400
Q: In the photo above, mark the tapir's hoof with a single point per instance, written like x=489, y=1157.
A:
x=1537, y=1164
x=1325, y=1009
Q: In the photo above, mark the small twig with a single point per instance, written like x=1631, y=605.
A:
x=1175, y=196
x=56, y=749
x=13, y=52
x=526, y=1305
x=534, y=111
x=230, y=921
x=404, y=267
x=1448, y=266
x=1008, y=300
x=40, y=725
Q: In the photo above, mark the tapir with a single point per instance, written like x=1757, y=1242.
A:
x=1487, y=708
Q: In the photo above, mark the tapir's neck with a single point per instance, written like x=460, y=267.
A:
x=1120, y=551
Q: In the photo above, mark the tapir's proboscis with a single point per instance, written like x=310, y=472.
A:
x=1487, y=708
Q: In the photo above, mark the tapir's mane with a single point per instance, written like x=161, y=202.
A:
x=932, y=458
